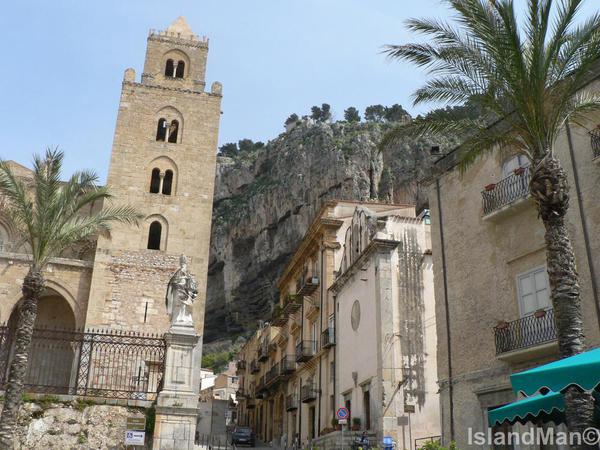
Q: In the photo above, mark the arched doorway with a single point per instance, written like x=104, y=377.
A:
x=52, y=355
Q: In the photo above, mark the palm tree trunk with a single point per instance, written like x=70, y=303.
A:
x=33, y=285
x=550, y=190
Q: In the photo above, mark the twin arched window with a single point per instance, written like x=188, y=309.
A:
x=167, y=132
x=175, y=70
x=161, y=182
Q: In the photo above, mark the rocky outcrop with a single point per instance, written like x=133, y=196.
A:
x=265, y=200
x=50, y=424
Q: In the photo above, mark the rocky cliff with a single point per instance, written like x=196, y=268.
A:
x=265, y=200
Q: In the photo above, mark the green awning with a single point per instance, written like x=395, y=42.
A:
x=581, y=370
x=539, y=408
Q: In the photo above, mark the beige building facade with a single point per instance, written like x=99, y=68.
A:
x=494, y=313
x=290, y=368
x=162, y=163
x=386, y=332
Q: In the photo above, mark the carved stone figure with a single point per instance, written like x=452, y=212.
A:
x=181, y=293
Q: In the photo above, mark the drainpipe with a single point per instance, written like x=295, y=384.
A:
x=584, y=225
x=321, y=285
x=299, y=412
x=449, y=340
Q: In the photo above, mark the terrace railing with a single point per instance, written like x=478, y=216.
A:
x=526, y=332
x=506, y=191
x=95, y=363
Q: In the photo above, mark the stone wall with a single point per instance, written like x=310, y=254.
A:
x=49, y=424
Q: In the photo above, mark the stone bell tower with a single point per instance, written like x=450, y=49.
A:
x=163, y=164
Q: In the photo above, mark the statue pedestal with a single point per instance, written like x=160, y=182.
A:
x=177, y=404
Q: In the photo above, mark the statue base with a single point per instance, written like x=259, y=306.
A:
x=177, y=403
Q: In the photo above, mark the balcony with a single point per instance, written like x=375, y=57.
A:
x=261, y=387
x=272, y=376
x=529, y=337
x=306, y=285
x=240, y=393
x=250, y=403
x=254, y=368
x=263, y=350
x=287, y=365
x=279, y=319
x=328, y=338
x=305, y=350
x=291, y=403
x=241, y=365
x=292, y=304
x=501, y=196
x=308, y=393
x=595, y=141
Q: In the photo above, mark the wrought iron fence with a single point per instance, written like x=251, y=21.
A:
x=328, y=338
x=595, y=140
x=536, y=329
x=305, y=350
x=506, y=191
x=308, y=393
x=95, y=363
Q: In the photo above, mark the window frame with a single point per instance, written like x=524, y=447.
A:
x=529, y=273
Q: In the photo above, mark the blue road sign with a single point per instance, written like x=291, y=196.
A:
x=342, y=413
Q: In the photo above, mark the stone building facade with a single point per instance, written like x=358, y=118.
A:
x=290, y=369
x=163, y=164
x=494, y=313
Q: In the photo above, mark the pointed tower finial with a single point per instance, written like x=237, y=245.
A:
x=180, y=27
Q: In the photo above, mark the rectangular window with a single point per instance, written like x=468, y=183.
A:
x=532, y=288
x=367, y=407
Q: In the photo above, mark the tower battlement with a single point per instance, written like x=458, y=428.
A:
x=178, y=38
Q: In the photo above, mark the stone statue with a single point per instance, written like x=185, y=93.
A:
x=181, y=293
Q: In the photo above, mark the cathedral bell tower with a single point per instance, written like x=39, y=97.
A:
x=163, y=163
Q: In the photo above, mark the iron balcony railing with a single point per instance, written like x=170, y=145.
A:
x=254, y=368
x=272, y=375
x=305, y=350
x=263, y=350
x=287, y=365
x=307, y=284
x=595, y=139
x=308, y=393
x=251, y=403
x=241, y=365
x=328, y=338
x=240, y=393
x=529, y=331
x=291, y=403
x=514, y=187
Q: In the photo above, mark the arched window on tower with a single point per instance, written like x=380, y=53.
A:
x=180, y=69
x=154, y=236
x=161, y=130
x=168, y=182
x=169, y=68
x=155, y=181
x=173, y=130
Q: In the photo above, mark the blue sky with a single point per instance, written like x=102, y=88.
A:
x=64, y=62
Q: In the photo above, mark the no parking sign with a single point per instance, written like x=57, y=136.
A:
x=342, y=414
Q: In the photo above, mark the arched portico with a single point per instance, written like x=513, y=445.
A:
x=52, y=355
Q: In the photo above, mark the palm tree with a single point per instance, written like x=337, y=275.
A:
x=49, y=216
x=530, y=74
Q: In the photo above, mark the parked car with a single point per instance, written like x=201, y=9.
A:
x=243, y=436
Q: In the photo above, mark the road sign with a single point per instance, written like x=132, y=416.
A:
x=342, y=413
x=342, y=421
x=136, y=423
x=133, y=437
x=409, y=408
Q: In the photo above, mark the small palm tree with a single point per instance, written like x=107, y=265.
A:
x=530, y=74
x=49, y=216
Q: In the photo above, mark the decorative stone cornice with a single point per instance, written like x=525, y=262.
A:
x=375, y=246
x=172, y=89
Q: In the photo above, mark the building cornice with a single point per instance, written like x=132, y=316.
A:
x=375, y=246
x=23, y=257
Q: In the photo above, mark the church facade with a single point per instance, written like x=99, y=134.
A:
x=163, y=164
